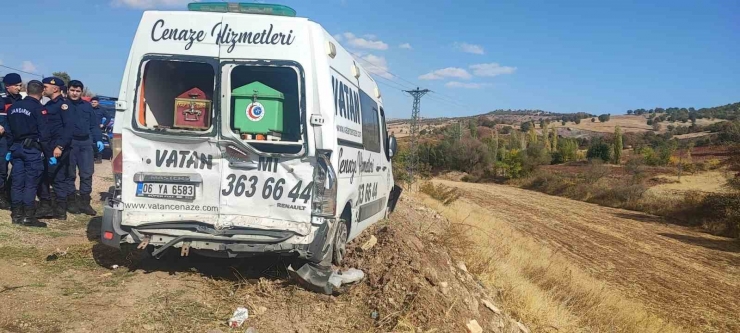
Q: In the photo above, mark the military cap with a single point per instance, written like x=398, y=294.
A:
x=55, y=81
x=11, y=79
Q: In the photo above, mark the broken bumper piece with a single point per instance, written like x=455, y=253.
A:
x=313, y=277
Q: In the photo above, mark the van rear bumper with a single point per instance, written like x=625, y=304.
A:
x=206, y=240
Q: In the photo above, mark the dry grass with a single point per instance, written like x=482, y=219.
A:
x=710, y=182
x=692, y=135
x=403, y=129
x=684, y=202
x=543, y=287
x=445, y=194
x=629, y=124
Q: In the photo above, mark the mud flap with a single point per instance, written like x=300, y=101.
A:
x=393, y=199
x=111, y=227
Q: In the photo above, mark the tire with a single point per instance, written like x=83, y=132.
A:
x=340, y=243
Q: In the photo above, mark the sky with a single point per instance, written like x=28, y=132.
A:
x=475, y=56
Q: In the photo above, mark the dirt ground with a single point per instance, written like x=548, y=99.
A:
x=60, y=279
x=684, y=276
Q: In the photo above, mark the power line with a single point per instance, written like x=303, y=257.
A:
x=435, y=98
x=384, y=70
x=443, y=97
x=394, y=85
x=22, y=71
x=449, y=98
x=448, y=101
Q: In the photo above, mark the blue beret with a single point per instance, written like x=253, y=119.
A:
x=55, y=81
x=95, y=98
x=11, y=79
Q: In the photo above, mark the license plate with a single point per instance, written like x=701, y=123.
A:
x=169, y=191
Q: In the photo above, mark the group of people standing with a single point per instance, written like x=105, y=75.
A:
x=45, y=145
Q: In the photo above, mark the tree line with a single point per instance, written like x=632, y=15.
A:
x=726, y=112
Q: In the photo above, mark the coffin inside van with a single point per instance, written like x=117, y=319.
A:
x=264, y=103
x=176, y=95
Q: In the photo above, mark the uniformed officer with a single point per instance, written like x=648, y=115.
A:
x=102, y=119
x=59, y=116
x=27, y=134
x=86, y=131
x=13, y=84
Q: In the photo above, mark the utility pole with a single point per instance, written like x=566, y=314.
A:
x=417, y=94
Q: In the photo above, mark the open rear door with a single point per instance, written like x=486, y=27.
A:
x=171, y=159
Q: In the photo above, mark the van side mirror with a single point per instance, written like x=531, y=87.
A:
x=392, y=146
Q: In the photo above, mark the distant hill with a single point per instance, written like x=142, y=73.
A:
x=584, y=124
x=510, y=112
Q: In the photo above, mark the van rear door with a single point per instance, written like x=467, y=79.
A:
x=171, y=159
x=267, y=176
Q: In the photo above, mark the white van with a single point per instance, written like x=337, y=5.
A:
x=243, y=130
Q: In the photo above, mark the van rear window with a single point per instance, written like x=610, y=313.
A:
x=265, y=103
x=176, y=95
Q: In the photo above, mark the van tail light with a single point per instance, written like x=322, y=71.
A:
x=117, y=153
x=324, y=202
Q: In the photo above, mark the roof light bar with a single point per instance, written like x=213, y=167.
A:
x=243, y=8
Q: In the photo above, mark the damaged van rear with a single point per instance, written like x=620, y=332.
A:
x=246, y=130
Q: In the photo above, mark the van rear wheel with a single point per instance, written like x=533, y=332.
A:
x=340, y=243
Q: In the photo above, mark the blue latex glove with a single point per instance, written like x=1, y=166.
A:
x=53, y=161
x=103, y=121
x=100, y=146
x=7, y=157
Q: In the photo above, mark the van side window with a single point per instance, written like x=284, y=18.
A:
x=175, y=95
x=384, y=134
x=370, y=123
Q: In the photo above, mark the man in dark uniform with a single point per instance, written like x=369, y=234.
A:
x=86, y=131
x=27, y=134
x=13, y=86
x=59, y=116
x=102, y=119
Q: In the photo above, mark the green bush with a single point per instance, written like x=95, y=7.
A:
x=599, y=150
x=649, y=156
x=721, y=213
x=525, y=126
x=557, y=158
x=535, y=156
x=511, y=165
x=400, y=167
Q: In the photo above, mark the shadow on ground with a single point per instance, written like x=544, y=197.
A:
x=272, y=267
x=721, y=244
x=642, y=217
